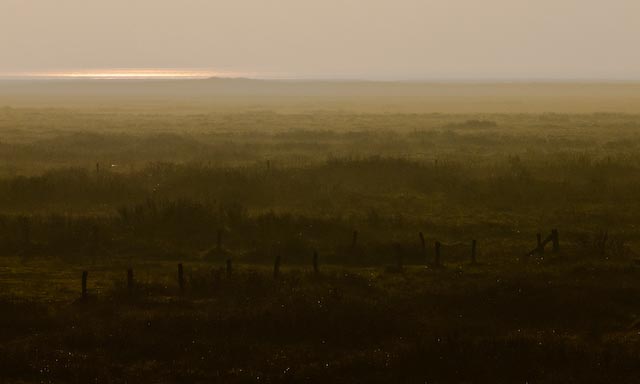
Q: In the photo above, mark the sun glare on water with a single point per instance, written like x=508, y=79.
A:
x=131, y=74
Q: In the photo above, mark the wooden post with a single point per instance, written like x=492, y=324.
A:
x=130, y=280
x=229, y=266
x=540, y=247
x=219, y=241
x=555, y=239
x=85, y=274
x=354, y=240
x=423, y=246
x=436, y=262
x=276, y=267
x=316, y=270
x=181, y=277
x=473, y=251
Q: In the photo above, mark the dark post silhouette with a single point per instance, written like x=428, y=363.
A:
x=423, y=246
x=436, y=262
x=181, y=277
x=219, y=242
x=130, y=280
x=229, y=266
x=85, y=274
x=276, y=267
x=555, y=239
x=473, y=251
x=316, y=269
x=540, y=247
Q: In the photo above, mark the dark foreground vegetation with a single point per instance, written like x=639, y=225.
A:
x=569, y=321
x=246, y=202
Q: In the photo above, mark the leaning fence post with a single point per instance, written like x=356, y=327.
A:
x=437, y=258
x=181, y=277
x=603, y=243
x=473, y=251
x=276, y=267
x=555, y=239
x=130, y=280
x=85, y=274
x=540, y=247
x=316, y=270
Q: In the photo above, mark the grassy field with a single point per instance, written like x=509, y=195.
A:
x=567, y=320
x=108, y=188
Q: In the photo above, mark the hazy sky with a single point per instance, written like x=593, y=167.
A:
x=399, y=39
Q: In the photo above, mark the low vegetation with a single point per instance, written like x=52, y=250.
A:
x=243, y=201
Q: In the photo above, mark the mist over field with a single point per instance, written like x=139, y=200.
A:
x=359, y=96
x=229, y=229
x=362, y=191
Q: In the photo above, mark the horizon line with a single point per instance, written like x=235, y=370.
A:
x=452, y=80
x=172, y=74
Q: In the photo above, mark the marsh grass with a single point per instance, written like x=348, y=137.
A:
x=253, y=187
x=479, y=323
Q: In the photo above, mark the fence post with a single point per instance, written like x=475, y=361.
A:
x=130, y=280
x=229, y=266
x=423, y=246
x=473, y=251
x=540, y=247
x=219, y=241
x=276, y=267
x=85, y=274
x=603, y=243
x=555, y=239
x=354, y=240
x=181, y=277
x=436, y=262
x=316, y=269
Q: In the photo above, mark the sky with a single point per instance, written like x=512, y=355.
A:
x=358, y=39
